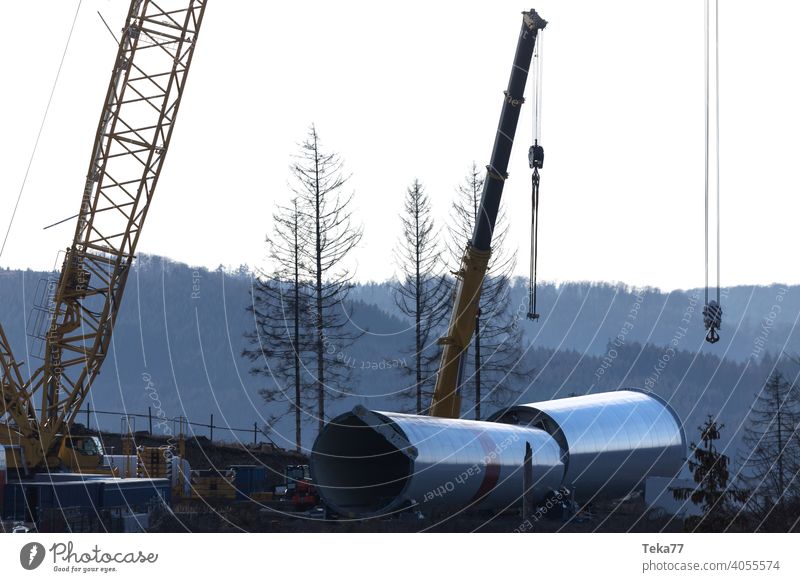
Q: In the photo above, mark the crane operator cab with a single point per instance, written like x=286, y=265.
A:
x=84, y=453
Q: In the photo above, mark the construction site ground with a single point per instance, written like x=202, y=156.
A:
x=631, y=516
x=205, y=454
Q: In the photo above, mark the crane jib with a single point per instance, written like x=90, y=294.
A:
x=496, y=171
x=446, y=400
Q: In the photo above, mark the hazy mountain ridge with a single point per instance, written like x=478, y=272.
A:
x=181, y=329
x=585, y=315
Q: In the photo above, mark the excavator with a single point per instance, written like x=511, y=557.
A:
x=446, y=401
x=133, y=135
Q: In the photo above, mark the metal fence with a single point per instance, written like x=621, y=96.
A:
x=191, y=425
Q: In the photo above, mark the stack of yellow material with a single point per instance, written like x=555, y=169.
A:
x=155, y=462
x=211, y=484
x=261, y=496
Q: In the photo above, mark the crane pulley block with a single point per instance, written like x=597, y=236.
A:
x=536, y=156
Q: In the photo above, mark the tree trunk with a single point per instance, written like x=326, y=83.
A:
x=478, y=365
x=318, y=289
x=779, y=461
x=418, y=318
x=298, y=419
x=477, y=316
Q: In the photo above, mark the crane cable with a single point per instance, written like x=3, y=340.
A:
x=41, y=128
x=536, y=161
x=712, y=311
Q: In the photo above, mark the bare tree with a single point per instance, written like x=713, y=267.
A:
x=327, y=239
x=280, y=304
x=771, y=468
x=422, y=291
x=495, y=355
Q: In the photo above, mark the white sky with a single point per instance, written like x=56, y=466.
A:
x=414, y=89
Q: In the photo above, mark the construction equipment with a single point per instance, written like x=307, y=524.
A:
x=712, y=309
x=536, y=163
x=138, y=116
x=446, y=400
x=369, y=463
x=131, y=143
x=300, y=488
x=84, y=454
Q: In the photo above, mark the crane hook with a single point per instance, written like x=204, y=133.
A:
x=712, y=318
x=536, y=161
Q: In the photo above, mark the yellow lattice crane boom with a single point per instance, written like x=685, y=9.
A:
x=132, y=140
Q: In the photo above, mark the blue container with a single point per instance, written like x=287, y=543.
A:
x=24, y=499
x=74, y=494
x=14, y=502
x=136, y=494
x=249, y=479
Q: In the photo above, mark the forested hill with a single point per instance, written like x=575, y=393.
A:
x=179, y=337
x=585, y=316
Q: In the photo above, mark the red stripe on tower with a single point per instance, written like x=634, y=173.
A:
x=491, y=468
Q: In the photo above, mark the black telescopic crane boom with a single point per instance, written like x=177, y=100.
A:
x=506, y=129
x=446, y=397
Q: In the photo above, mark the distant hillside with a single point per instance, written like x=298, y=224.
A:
x=182, y=329
x=584, y=316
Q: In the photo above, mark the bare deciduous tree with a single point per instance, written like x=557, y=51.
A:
x=422, y=291
x=771, y=467
x=327, y=239
x=280, y=345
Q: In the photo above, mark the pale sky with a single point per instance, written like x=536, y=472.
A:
x=414, y=89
